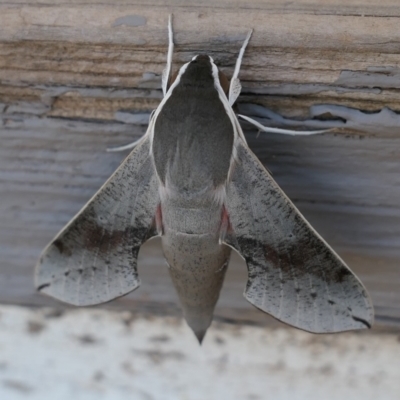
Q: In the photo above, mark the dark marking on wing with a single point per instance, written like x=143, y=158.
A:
x=104, y=240
x=62, y=248
x=286, y=254
x=363, y=321
x=44, y=285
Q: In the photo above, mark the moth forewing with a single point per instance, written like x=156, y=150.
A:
x=93, y=259
x=294, y=275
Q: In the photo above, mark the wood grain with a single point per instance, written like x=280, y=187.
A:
x=301, y=53
x=348, y=188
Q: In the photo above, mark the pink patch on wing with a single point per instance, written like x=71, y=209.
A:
x=158, y=217
x=225, y=223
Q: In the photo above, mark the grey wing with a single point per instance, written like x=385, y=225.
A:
x=293, y=274
x=93, y=259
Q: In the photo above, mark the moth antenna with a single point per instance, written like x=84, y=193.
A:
x=167, y=71
x=235, y=86
x=241, y=53
x=282, y=131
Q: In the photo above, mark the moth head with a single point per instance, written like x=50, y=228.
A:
x=200, y=71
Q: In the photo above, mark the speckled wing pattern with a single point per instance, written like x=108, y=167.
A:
x=293, y=274
x=93, y=259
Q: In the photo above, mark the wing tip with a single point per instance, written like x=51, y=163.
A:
x=45, y=288
x=357, y=322
x=367, y=324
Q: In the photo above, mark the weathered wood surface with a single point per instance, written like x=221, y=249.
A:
x=348, y=189
x=302, y=53
x=79, y=76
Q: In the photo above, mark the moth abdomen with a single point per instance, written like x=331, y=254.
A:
x=197, y=265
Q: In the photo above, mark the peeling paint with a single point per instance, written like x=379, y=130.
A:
x=384, y=122
x=132, y=118
x=384, y=69
x=307, y=88
x=150, y=80
x=150, y=76
x=130, y=20
x=382, y=77
x=23, y=107
x=385, y=119
x=236, y=362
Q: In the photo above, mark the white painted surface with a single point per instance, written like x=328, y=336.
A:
x=98, y=354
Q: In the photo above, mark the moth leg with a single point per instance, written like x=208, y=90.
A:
x=282, y=131
x=167, y=71
x=125, y=147
x=130, y=145
x=235, y=86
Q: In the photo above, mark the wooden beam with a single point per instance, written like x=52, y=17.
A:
x=302, y=53
x=79, y=76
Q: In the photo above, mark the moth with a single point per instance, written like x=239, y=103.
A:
x=193, y=180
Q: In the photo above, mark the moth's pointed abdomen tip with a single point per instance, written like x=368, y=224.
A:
x=199, y=320
x=199, y=331
x=200, y=335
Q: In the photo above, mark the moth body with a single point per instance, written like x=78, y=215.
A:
x=192, y=149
